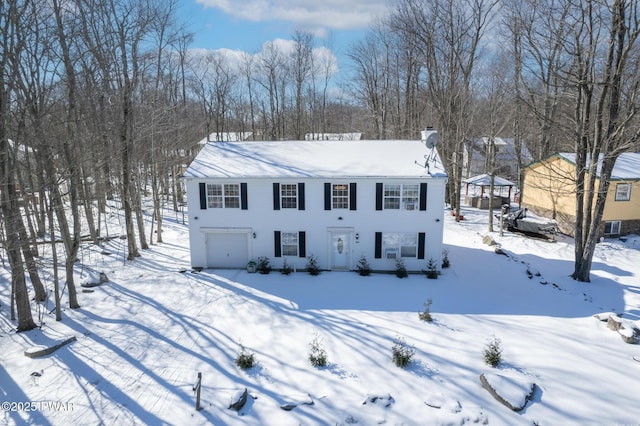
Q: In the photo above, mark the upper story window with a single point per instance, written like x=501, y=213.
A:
x=340, y=196
x=410, y=197
x=403, y=197
x=221, y=196
x=392, y=196
x=623, y=192
x=289, y=196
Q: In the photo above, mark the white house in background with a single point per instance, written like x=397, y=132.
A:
x=333, y=136
x=226, y=137
x=335, y=200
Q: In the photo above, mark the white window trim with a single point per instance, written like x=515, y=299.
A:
x=405, y=202
x=613, y=223
x=288, y=197
x=397, y=249
x=627, y=195
x=344, y=199
x=283, y=234
x=223, y=196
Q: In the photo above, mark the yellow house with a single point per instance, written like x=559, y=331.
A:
x=549, y=190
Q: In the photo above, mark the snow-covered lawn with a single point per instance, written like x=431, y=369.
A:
x=143, y=337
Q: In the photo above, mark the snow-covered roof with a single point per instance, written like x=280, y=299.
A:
x=485, y=180
x=627, y=165
x=300, y=159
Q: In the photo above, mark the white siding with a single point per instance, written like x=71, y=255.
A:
x=318, y=224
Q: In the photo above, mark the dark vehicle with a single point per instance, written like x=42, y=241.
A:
x=522, y=221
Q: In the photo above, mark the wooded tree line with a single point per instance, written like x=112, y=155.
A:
x=104, y=101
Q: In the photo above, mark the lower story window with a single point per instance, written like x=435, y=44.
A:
x=289, y=244
x=612, y=227
x=401, y=244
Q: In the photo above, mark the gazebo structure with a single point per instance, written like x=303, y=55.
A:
x=480, y=187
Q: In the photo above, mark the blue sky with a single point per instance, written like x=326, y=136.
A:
x=246, y=24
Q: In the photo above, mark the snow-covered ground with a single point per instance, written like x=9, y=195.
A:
x=143, y=337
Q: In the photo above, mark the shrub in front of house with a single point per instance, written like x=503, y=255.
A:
x=312, y=265
x=263, y=265
x=445, y=258
x=401, y=271
x=363, y=267
x=432, y=269
x=286, y=268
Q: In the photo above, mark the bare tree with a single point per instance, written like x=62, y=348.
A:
x=272, y=70
x=70, y=146
x=448, y=35
x=495, y=113
x=371, y=84
x=605, y=78
x=212, y=82
x=323, y=71
x=11, y=26
x=537, y=30
x=301, y=58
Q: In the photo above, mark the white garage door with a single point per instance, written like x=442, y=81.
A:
x=227, y=250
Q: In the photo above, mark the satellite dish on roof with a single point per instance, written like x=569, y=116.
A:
x=429, y=137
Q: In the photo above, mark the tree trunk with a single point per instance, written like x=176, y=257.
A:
x=72, y=245
x=12, y=216
x=23, y=307
x=87, y=198
x=41, y=293
x=10, y=26
x=132, y=248
x=140, y=222
x=54, y=258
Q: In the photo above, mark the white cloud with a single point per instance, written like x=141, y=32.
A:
x=313, y=15
x=324, y=58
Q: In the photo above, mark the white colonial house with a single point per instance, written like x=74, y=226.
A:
x=335, y=200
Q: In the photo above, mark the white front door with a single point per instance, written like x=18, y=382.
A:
x=340, y=249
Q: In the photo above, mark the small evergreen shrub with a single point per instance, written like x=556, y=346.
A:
x=426, y=314
x=312, y=265
x=317, y=355
x=445, y=258
x=402, y=353
x=432, y=269
x=263, y=265
x=492, y=352
x=286, y=268
x=363, y=266
x=401, y=271
x=245, y=360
